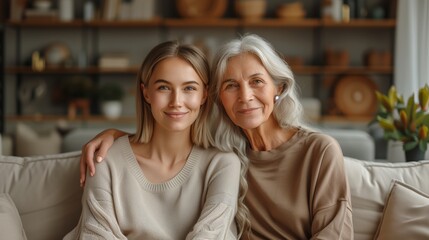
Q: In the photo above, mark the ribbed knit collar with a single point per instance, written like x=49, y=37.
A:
x=174, y=182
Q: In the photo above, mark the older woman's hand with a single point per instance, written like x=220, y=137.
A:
x=95, y=150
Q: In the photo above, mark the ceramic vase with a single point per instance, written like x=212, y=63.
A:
x=415, y=154
x=112, y=109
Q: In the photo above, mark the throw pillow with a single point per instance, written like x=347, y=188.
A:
x=10, y=222
x=405, y=214
x=30, y=143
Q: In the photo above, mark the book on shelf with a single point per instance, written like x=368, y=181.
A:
x=143, y=9
x=111, y=9
x=36, y=14
x=17, y=8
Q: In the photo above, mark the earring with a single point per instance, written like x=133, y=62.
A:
x=276, y=98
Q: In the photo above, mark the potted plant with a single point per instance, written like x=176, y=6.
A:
x=110, y=96
x=77, y=91
x=406, y=122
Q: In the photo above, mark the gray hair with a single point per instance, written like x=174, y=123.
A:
x=287, y=110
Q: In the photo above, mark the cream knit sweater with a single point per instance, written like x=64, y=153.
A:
x=200, y=202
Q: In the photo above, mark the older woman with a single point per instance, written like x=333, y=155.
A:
x=297, y=187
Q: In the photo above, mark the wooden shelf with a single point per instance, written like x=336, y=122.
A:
x=360, y=23
x=278, y=22
x=205, y=22
x=71, y=70
x=45, y=23
x=124, y=24
x=52, y=118
x=211, y=22
x=303, y=70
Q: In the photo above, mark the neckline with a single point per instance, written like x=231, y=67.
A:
x=257, y=156
x=174, y=182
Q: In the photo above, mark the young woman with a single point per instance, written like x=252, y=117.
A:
x=165, y=181
x=297, y=187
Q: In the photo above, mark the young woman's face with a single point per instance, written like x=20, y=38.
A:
x=175, y=93
x=247, y=91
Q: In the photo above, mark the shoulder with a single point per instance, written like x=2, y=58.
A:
x=118, y=153
x=322, y=140
x=322, y=147
x=219, y=159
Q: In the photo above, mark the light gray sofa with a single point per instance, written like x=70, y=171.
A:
x=354, y=143
x=45, y=196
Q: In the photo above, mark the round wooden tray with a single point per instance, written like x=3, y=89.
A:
x=355, y=95
x=201, y=8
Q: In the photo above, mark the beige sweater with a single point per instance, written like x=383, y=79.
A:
x=299, y=190
x=200, y=202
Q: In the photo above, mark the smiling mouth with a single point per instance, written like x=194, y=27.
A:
x=247, y=110
x=175, y=114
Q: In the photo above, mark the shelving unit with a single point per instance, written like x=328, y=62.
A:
x=91, y=35
x=2, y=76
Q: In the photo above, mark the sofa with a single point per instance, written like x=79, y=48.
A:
x=354, y=143
x=40, y=197
x=30, y=140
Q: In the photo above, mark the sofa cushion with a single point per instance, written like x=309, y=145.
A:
x=30, y=142
x=10, y=222
x=370, y=184
x=46, y=192
x=405, y=214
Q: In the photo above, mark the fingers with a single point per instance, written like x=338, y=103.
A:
x=95, y=150
x=87, y=161
x=103, y=148
x=82, y=171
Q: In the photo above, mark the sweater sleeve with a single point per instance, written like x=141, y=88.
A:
x=97, y=219
x=217, y=216
x=332, y=213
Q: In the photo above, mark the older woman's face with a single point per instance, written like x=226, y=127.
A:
x=247, y=91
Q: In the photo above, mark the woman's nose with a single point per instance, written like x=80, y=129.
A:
x=176, y=99
x=246, y=93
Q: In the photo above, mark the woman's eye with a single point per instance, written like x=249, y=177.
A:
x=257, y=81
x=163, y=88
x=190, y=88
x=230, y=86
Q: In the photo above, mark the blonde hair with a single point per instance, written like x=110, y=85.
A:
x=200, y=131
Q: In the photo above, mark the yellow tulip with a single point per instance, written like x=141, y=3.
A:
x=423, y=132
x=386, y=124
x=424, y=97
x=404, y=117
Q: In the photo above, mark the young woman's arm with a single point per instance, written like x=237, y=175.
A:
x=98, y=217
x=96, y=149
x=217, y=216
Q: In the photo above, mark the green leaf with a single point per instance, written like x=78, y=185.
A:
x=411, y=108
x=423, y=145
x=395, y=135
x=422, y=120
x=410, y=145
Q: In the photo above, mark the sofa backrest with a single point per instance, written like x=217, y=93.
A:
x=46, y=192
x=370, y=184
